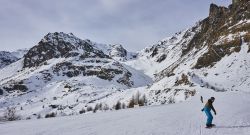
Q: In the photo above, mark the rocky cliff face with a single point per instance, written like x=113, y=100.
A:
x=55, y=45
x=222, y=33
x=205, y=55
x=226, y=25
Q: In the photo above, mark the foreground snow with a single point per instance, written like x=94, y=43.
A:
x=185, y=118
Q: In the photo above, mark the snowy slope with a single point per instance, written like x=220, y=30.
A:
x=6, y=58
x=64, y=74
x=173, y=119
x=156, y=58
x=19, y=53
x=230, y=73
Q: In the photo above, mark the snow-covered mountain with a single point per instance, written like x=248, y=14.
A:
x=212, y=54
x=64, y=74
x=116, y=52
x=6, y=58
x=19, y=53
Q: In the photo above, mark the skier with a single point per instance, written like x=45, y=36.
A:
x=207, y=109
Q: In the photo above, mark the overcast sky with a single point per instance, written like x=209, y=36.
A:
x=133, y=23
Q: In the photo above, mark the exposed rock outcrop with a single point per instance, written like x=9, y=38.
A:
x=55, y=45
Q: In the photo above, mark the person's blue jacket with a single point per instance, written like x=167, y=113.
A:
x=208, y=106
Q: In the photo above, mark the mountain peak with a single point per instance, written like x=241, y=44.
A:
x=59, y=44
x=217, y=11
x=118, y=51
x=57, y=37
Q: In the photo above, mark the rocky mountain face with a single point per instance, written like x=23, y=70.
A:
x=55, y=45
x=64, y=74
x=222, y=32
x=206, y=55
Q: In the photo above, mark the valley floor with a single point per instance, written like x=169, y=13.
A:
x=185, y=118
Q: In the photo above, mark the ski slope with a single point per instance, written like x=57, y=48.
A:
x=186, y=118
